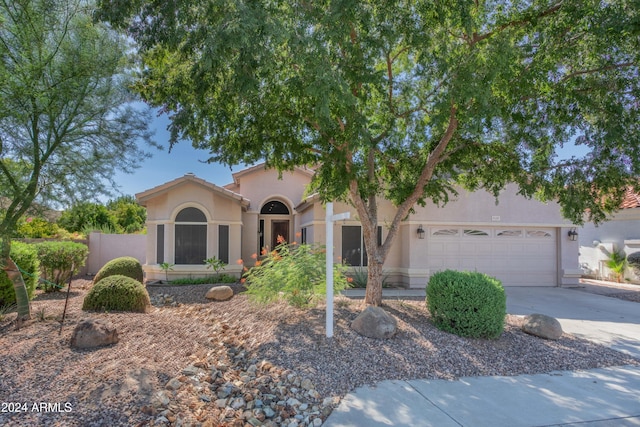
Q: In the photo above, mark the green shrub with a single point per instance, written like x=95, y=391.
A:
x=26, y=258
x=117, y=293
x=617, y=262
x=634, y=262
x=123, y=266
x=59, y=261
x=467, y=304
x=293, y=273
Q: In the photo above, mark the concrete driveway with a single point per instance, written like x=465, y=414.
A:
x=605, y=320
x=605, y=397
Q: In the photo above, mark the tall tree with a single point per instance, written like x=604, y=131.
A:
x=67, y=120
x=403, y=99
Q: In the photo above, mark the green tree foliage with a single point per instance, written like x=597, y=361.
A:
x=67, y=120
x=85, y=215
x=403, y=99
x=130, y=216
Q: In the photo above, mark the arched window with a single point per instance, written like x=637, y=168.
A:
x=274, y=207
x=190, y=236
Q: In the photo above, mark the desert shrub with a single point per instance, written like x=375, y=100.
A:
x=466, y=303
x=59, y=261
x=117, y=293
x=36, y=228
x=26, y=258
x=617, y=262
x=293, y=273
x=123, y=266
x=634, y=262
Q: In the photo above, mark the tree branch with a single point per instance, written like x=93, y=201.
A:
x=597, y=70
x=475, y=38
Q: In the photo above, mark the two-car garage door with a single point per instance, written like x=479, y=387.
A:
x=517, y=256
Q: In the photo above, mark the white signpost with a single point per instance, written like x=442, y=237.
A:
x=330, y=219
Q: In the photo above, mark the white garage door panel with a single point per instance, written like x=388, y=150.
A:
x=516, y=256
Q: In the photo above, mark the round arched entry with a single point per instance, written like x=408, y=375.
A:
x=275, y=222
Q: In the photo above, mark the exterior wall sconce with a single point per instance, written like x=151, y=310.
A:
x=420, y=232
x=573, y=234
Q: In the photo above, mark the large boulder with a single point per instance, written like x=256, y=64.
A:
x=219, y=293
x=92, y=333
x=374, y=322
x=543, y=326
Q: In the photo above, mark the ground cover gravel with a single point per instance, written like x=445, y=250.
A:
x=191, y=361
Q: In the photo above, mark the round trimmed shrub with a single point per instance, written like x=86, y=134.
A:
x=634, y=262
x=117, y=293
x=467, y=303
x=123, y=266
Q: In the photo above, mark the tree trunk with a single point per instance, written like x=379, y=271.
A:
x=10, y=267
x=373, y=294
x=22, y=297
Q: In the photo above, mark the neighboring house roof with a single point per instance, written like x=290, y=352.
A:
x=631, y=199
x=189, y=177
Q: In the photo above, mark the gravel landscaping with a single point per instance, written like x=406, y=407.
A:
x=191, y=361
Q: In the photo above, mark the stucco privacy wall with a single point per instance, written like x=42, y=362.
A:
x=620, y=232
x=105, y=247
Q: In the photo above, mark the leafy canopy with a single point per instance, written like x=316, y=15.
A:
x=404, y=99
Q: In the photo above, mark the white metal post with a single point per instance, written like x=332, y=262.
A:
x=329, y=266
x=329, y=219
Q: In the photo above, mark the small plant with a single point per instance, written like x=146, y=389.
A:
x=166, y=267
x=41, y=315
x=215, y=264
x=359, y=278
x=117, y=293
x=617, y=262
x=6, y=309
x=293, y=273
x=123, y=266
x=466, y=303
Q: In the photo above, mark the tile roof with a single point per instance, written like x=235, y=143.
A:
x=631, y=199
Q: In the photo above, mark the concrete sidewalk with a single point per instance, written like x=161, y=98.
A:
x=594, y=398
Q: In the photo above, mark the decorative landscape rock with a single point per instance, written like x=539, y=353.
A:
x=543, y=326
x=374, y=322
x=219, y=293
x=92, y=333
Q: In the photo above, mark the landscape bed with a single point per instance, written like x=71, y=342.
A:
x=171, y=365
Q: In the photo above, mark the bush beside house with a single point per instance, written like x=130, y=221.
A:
x=466, y=303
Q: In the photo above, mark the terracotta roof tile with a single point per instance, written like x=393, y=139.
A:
x=631, y=199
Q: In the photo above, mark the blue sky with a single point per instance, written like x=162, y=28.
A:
x=164, y=166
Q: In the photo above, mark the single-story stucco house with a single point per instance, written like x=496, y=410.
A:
x=522, y=242
x=621, y=232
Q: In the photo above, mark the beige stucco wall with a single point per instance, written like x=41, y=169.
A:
x=218, y=208
x=406, y=259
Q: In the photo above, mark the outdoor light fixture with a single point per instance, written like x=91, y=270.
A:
x=420, y=232
x=573, y=234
